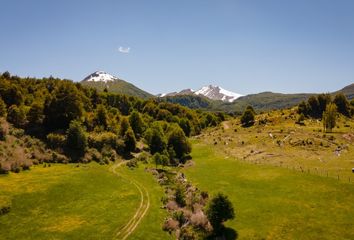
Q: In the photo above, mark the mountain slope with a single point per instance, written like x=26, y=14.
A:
x=211, y=92
x=101, y=80
x=348, y=91
x=260, y=101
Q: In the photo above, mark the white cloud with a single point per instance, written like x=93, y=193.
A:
x=124, y=49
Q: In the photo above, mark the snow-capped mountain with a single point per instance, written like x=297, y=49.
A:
x=103, y=81
x=218, y=93
x=100, y=76
x=210, y=91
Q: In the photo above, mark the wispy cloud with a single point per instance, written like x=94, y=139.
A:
x=124, y=49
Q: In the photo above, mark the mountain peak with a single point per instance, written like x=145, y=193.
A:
x=217, y=93
x=210, y=91
x=100, y=76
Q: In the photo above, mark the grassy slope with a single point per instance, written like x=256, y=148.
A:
x=65, y=202
x=276, y=203
x=119, y=86
x=151, y=225
x=301, y=147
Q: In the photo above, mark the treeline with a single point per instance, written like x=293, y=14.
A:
x=315, y=106
x=81, y=124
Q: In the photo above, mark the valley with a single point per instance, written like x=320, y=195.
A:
x=78, y=163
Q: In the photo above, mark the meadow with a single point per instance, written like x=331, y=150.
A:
x=280, y=141
x=273, y=202
x=70, y=202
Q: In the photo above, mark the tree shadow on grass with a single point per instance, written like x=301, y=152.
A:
x=227, y=234
x=230, y=234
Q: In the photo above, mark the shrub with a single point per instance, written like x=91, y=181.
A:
x=3, y=111
x=55, y=140
x=5, y=167
x=180, y=196
x=92, y=155
x=133, y=163
x=170, y=225
x=59, y=158
x=4, y=130
x=108, y=153
x=99, y=140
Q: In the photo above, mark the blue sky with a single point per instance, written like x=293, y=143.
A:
x=246, y=46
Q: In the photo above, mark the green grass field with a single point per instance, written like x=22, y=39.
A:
x=273, y=202
x=69, y=202
x=150, y=226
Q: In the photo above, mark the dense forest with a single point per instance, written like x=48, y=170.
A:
x=54, y=120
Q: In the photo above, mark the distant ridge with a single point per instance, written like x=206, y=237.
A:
x=260, y=101
x=211, y=92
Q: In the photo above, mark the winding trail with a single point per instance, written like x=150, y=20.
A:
x=125, y=231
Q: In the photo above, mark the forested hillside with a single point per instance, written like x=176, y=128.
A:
x=54, y=120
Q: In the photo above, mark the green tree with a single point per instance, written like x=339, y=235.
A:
x=155, y=138
x=17, y=116
x=314, y=107
x=137, y=124
x=178, y=141
x=101, y=117
x=3, y=111
x=342, y=104
x=35, y=114
x=303, y=108
x=124, y=126
x=329, y=117
x=186, y=125
x=219, y=210
x=248, y=117
x=64, y=106
x=76, y=138
x=129, y=141
x=323, y=101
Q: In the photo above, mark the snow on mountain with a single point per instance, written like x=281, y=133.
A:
x=100, y=76
x=210, y=91
x=218, y=93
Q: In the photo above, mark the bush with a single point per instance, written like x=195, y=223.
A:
x=133, y=163
x=92, y=155
x=59, y=158
x=55, y=140
x=4, y=209
x=5, y=167
x=99, y=140
x=4, y=130
x=180, y=196
x=3, y=111
x=108, y=153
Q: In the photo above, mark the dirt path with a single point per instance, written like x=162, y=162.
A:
x=124, y=232
x=226, y=125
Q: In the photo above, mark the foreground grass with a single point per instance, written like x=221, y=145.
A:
x=273, y=202
x=150, y=226
x=65, y=202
